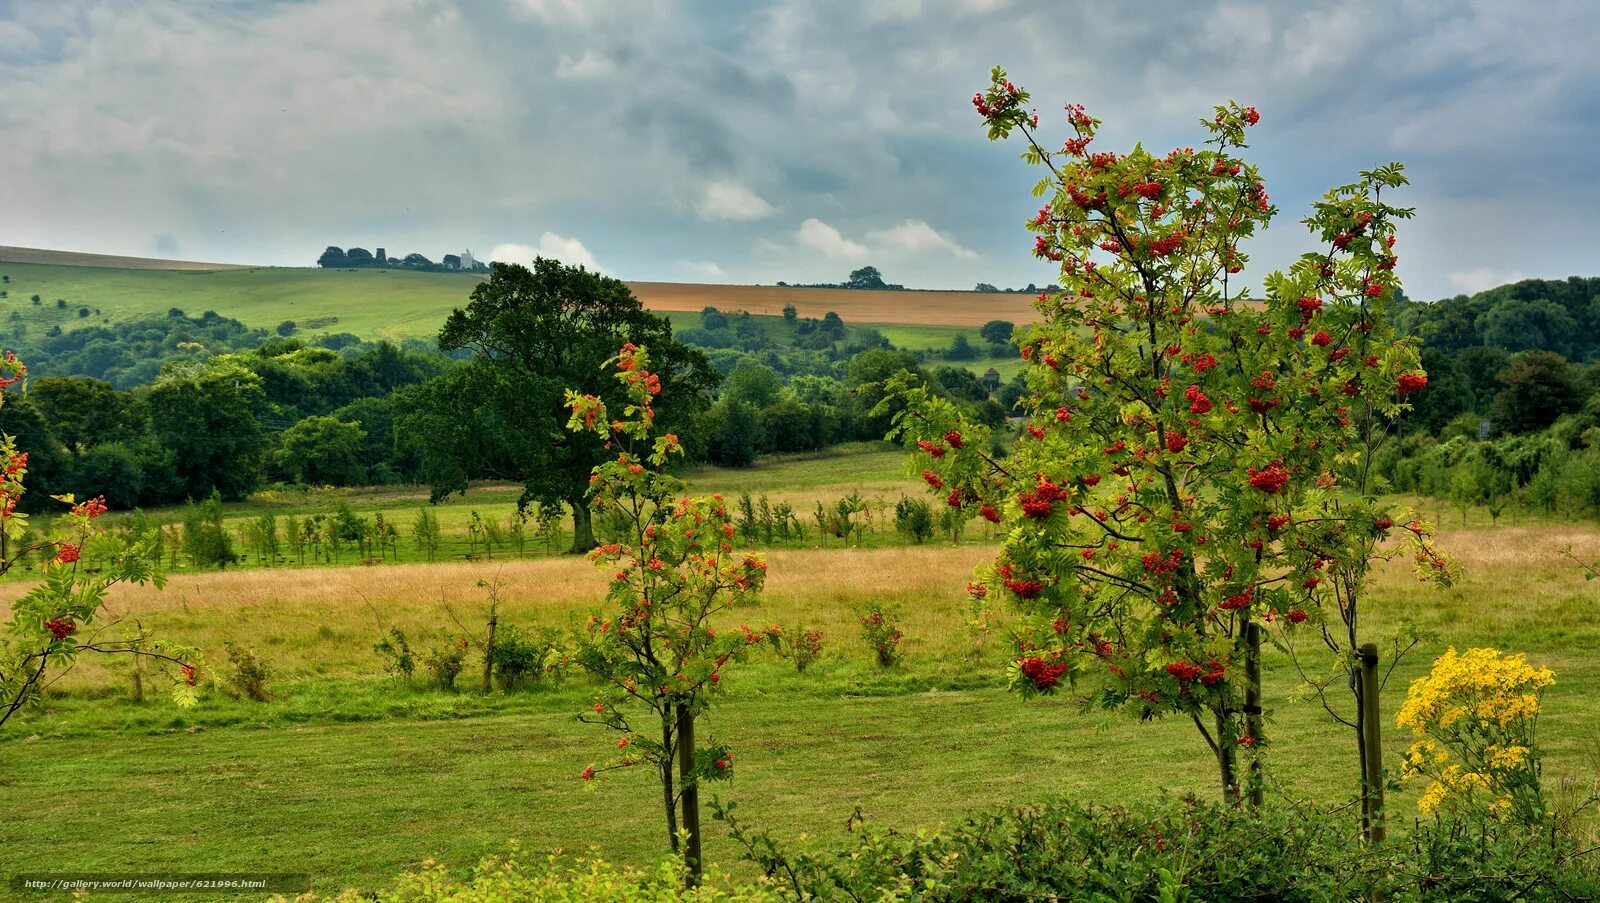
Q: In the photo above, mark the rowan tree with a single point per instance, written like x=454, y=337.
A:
x=62, y=616
x=1182, y=479
x=673, y=572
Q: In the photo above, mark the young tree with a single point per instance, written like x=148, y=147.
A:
x=425, y=529
x=961, y=349
x=1184, y=440
x=60, y=617
x=674, y=572
x=205, y=539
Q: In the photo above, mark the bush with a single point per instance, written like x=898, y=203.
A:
x=247, y=674
x=398, y=658
x=880, y=629
x=506, y=879
x=914, y=519
x=1175, y=850
x=445, y=663
x=806, y=647
x=519, y=656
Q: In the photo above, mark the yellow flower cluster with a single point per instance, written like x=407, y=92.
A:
x=1480, y=707
x=1481, y=685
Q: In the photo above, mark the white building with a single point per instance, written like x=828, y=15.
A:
x=468, y=262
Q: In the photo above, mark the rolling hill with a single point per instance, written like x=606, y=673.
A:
x=396, y=304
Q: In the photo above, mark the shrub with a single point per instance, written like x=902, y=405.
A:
x=398, y=659
x=519, y=656
x=880, y=629
x=506, y=879
x=1174, y=850
x=806, y=647
x=914, y=519
x=445, y=663
x=247, y=674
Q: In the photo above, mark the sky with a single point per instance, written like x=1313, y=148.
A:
x=748, y=142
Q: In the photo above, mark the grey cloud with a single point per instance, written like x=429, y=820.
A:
x=260, y=132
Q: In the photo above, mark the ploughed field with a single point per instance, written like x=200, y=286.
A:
x=352, y=776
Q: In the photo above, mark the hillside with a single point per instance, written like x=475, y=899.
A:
x=396, y=304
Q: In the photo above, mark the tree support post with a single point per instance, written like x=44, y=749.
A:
x=1372, y=745
x=1252, y=708
x=690, y=793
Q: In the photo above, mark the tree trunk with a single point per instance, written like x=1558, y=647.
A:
x=488, y=653
x=582, y=528
x=1252, y=708
x=668, y=797
x=691, y=794
x=1226, y=762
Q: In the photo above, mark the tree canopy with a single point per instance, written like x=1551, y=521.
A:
x=533, y=334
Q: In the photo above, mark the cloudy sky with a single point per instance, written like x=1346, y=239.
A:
x=751, y=142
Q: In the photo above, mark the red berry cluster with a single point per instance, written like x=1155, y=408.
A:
x=1271, y=479
x=60, y=628
x=1042, y=674
x=1023, y=586
x=1411, y=382
x=1039, y=503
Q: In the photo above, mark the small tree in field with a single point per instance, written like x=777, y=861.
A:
x=60, y=617
x=674, y=571
x=1183, y=476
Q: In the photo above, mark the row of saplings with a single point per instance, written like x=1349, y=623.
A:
x=1192, y=464
x=517, y=658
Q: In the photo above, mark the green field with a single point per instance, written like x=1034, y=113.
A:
x=368, y=303
x=95, y=781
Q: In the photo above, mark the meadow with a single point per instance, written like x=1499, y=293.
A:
x=94, y=780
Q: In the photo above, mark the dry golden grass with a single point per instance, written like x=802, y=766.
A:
x=1517, y=591
x=324, y=620
x=966, y=309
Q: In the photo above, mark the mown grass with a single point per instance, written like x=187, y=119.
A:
x=349, y=776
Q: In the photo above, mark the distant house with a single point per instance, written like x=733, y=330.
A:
x=468, y=262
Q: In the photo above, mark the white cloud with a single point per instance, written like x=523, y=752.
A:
x=704, y=269
x=1483, y=278
x=915, y=236
x=826, y=240
x=590, y=65
x=569, y=251
x=732, y=202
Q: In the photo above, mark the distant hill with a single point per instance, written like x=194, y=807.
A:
x=80, y=259
x=394, y=304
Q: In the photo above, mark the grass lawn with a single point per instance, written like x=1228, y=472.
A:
x=351, y=777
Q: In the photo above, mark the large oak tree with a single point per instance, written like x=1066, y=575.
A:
x=533, y=334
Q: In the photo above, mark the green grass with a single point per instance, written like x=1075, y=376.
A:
x=351, y=777
x=369, y=303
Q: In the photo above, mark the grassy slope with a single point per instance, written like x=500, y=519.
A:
x=395, y=304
